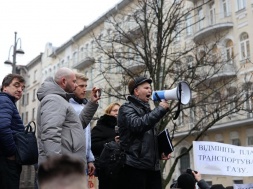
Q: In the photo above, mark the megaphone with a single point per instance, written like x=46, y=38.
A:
x=182, y=93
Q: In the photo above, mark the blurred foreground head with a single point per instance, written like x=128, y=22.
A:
x=186, y=181
x=62, y=172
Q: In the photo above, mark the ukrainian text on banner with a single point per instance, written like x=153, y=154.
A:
x=216, y=158
x=243, y=186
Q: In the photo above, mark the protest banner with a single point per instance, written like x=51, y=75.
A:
x=216, y=158
x=243, y=186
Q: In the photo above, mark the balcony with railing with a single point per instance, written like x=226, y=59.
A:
x=82, y=61
x=132, y=32
x=136, y=68
x=212, y=24
x=217, y=72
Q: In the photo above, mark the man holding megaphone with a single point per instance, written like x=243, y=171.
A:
x=137, y=130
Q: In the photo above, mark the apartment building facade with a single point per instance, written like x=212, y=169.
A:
x=231, y=19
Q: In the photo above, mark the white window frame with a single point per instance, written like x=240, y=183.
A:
x=240, y=4
x=225, y=8
x=189, y=24
x=212, y=13
x=229, y=52
x=177, y=33
x=200, y=16
x=244, y=46
x=248, y=103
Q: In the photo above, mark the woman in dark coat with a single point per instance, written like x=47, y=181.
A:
x=102, y=133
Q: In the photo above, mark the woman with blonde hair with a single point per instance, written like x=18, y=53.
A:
x=102, y=133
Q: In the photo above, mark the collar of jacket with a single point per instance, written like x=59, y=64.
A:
x=78, y=100
x=107, y=120
x=12, y=98
x=138, y=102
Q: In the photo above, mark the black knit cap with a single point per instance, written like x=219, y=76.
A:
x=186, y=181
x=135, y=82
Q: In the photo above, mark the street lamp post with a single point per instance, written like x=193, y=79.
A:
x=15, y=52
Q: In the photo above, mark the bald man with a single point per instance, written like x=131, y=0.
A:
x=60, y=129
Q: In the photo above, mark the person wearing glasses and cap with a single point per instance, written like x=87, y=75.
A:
x=137, y=131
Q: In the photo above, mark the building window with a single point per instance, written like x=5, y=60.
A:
x=249, y=133
x=23, y=117
x=27, y=98
x=236, y=142
x=225, y=8
x=234, y=137
x=34, y=94
x=35, y=76
x=188, y=24
x=184, y=161
x=219, y=138
x=177, y=33
x=212, y=13
x=33, y=114
x=248, y=102
x=238, y=181
x=23, y=100
x=241, y=4
x=245, y=47
x=26, y=117
x=250, y=141
x=200, y=19
x=229, y=51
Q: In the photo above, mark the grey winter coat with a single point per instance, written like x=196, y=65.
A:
x=60, y=130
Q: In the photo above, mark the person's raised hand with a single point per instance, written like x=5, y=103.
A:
x=196, y=175
x=95, y=94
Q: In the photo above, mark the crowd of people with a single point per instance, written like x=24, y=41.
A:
x=69, y=149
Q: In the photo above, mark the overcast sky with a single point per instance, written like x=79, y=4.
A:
x=40, y=21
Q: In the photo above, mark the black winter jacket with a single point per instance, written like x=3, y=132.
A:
x=102, y=133
x=138, y=134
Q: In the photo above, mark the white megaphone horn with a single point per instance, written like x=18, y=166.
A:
x=182, y=93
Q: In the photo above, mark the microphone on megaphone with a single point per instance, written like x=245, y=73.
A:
x=182, y=93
